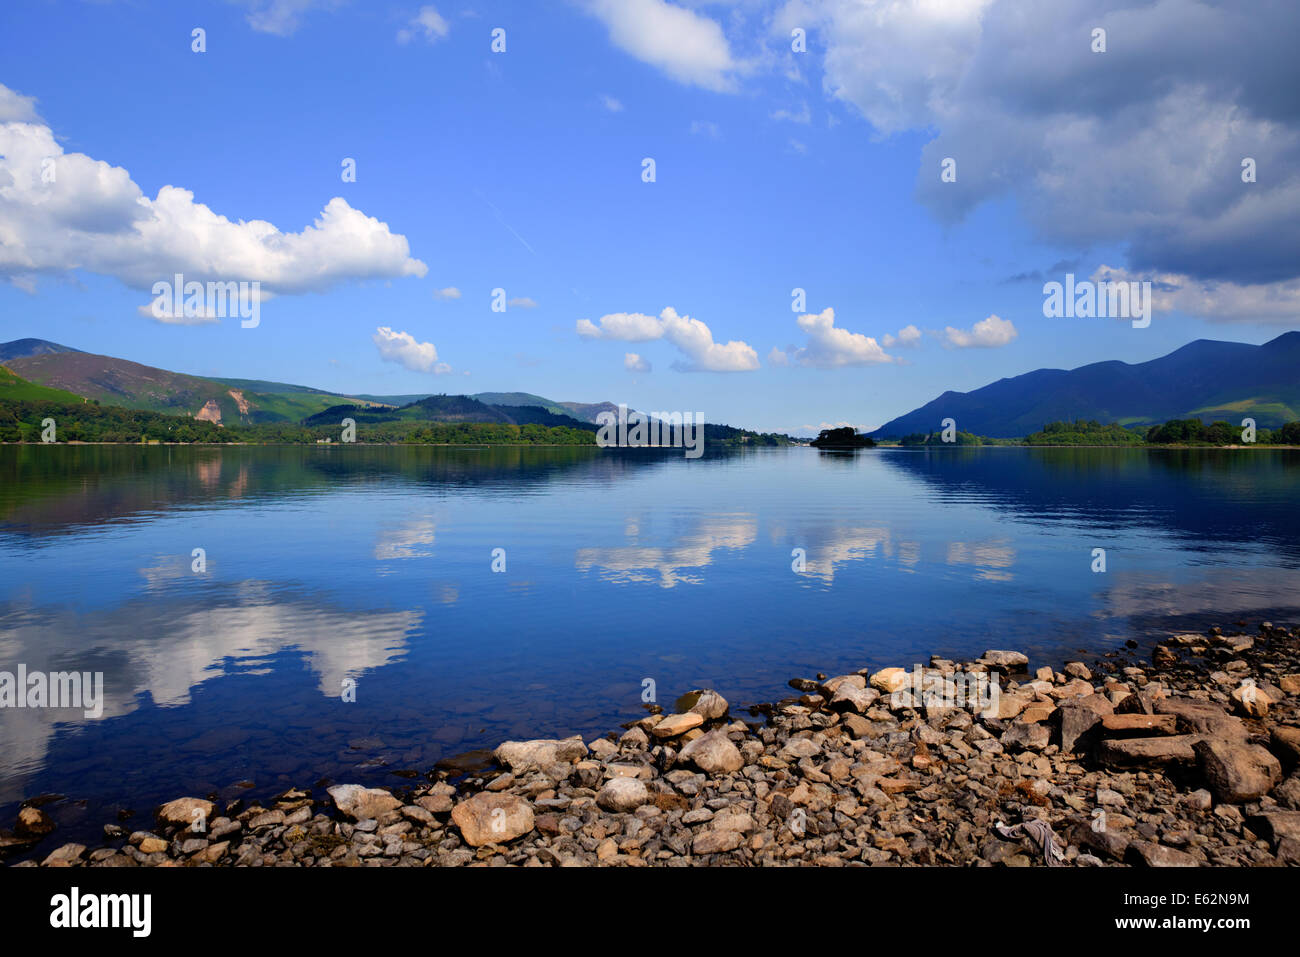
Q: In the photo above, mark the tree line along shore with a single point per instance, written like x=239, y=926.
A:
x=1090, y=432
x=24, y=421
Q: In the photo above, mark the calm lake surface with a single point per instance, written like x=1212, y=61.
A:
x=376, y=565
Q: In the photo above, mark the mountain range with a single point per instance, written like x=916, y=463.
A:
x=448, y=408
x=1205, y=379
x=39, y=369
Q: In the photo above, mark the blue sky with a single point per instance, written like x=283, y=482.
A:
x=522, y=170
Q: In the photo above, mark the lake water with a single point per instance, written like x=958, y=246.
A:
x=375, y=565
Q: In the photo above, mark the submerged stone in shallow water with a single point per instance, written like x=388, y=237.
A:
x=33, y=822
x=466, y=763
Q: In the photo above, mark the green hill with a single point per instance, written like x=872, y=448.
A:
x=226, y=400
x=15, y=388
x=447, y=409
x=131, y=385
x=520, y=399
x=69, y=374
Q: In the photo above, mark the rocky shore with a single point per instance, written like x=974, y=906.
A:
x=1187, y=761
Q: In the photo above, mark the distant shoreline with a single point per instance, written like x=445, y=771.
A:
x=316, y=445
x=1143, y=447
x=565, y=445
x=381, y=445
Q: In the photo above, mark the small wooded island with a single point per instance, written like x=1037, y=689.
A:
x=844, y=438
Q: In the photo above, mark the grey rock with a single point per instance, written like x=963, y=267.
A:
x=712, y=753
x=1005, y=660
x=361, y=803
x=708, y=704
x=621, y=795
x=539, y=753
x=1025, y=736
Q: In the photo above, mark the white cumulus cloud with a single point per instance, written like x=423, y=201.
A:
x=65, y=211
x=623, y=327
x=428, y=24
x=692, y=338
x=687, y=46
x=907, y=336
x=202, y=317
x=988, y=333
x=831, y=347
x=16, y=108
x=404, y=349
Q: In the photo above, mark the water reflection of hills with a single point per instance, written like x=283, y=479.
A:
x=50, y=490
x=1234, y=497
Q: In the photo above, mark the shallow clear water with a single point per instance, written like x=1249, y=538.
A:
x=375, y=565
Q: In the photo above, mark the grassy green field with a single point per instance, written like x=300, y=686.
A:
x=1254, y=408
x=14, y=386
